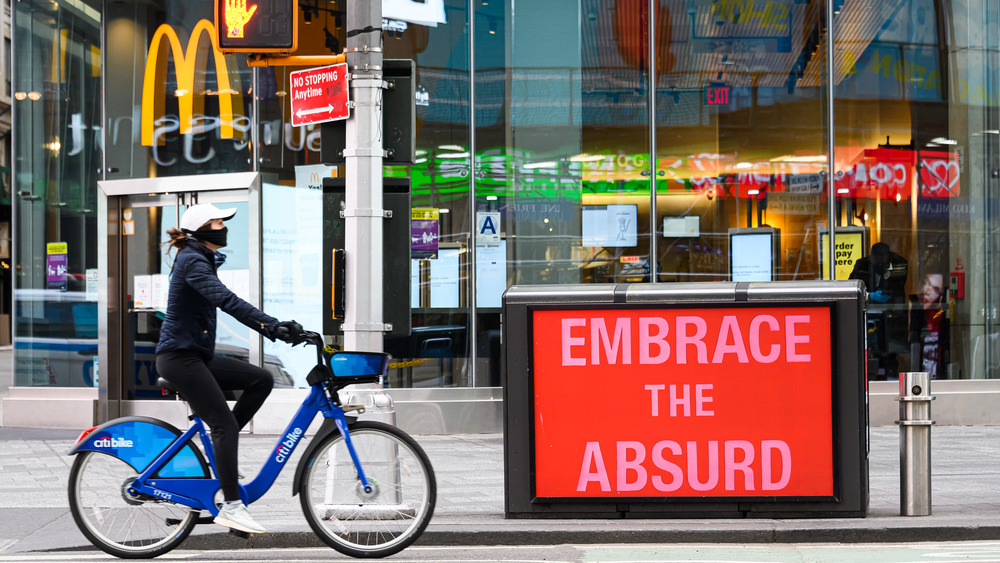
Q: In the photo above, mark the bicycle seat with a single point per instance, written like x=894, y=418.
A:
x=166, y=385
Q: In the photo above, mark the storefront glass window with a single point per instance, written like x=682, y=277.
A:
x=588, y=158
x=295, y=230
x=293, y=237
x=437, y=351
x=916, y=98
x=57, y=114
x=740, y=141
x=174, y=105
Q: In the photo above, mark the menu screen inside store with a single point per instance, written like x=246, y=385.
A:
x=673, y=402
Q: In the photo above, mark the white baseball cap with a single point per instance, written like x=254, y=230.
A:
x=197, y=215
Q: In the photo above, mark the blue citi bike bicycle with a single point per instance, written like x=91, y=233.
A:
x=138, y=485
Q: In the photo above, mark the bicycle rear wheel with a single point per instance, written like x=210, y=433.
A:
x=117, y=522
x=379, y=522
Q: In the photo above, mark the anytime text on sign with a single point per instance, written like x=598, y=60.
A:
x=319, y=95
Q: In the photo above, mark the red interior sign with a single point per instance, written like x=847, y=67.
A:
x=708, y=402
x=717, y=95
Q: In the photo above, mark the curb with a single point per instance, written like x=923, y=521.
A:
x=514, y=536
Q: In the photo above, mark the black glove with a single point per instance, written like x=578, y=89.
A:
x=288, y=331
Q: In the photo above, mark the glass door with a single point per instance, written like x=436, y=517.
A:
x=134, y=273
x=148, y=264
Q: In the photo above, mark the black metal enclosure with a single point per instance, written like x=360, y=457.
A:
x=672, y=400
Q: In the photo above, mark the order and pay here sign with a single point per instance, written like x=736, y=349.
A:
x=683, y=402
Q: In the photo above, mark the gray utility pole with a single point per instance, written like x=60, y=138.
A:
x=363, y=154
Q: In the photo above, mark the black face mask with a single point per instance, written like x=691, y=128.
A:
x=216, y=237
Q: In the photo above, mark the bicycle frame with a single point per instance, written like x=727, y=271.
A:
x=199, y=493
x=147, y=499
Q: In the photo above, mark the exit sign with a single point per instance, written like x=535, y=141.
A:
x=717, y=95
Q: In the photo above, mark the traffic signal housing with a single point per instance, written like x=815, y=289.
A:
x=396, y=254
x=257, y=26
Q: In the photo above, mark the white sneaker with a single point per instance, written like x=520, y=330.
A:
x=238, y=518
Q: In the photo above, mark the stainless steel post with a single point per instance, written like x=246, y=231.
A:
x=915, y=443
x=363, y=154
x=364, y=213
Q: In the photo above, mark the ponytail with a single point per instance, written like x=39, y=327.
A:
x=178, y=239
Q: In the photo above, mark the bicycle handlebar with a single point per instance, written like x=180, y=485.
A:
x=315, y=339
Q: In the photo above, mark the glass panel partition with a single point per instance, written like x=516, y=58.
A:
x=57, y=97
x=438, y=351
x=917, y=132
x=741, y=140
x=561, y=181
x=548, y=180
x=175, y=106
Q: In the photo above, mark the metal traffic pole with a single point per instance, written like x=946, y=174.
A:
x=363, y=213
x=915, y=443
x=363, y=164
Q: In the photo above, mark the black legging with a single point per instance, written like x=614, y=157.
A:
x=201, y=384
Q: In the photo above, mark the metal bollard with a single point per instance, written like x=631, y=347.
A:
x=915, y=443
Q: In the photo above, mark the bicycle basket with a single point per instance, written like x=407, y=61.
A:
x=358, y=366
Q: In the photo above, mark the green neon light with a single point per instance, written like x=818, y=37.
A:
x=444, y=176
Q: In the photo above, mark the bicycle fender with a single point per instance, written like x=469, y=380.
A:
x=329, y=426
x=138, y=440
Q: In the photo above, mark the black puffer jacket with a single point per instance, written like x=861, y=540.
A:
x=195, y=293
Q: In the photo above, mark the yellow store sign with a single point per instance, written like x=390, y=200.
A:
x=849, y=247
x=190, y=70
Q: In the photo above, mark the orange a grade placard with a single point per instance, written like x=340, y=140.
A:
x=672, y=402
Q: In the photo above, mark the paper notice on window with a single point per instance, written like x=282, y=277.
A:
x=491, y=273
x=161, y=284
x=238, y=281
x=143, y=292
x=93, y=279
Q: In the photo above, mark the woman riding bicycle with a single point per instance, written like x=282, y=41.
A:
x=185, y=355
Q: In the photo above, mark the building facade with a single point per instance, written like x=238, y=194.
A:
x=564, y=141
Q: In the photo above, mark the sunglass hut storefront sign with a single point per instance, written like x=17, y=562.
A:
x=708, y=402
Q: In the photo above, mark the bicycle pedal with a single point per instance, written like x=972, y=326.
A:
x=205, y=520
x=239, y=533
x=360, y=409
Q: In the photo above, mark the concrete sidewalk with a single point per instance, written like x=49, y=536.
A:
x=469, y=468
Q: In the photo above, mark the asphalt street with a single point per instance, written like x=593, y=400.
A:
x=981, y=552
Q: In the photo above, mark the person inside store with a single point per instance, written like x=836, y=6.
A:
x=185, y=354
x=884, y=273
x=932, y=325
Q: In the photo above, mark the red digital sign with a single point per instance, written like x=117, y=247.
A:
x=700, y=402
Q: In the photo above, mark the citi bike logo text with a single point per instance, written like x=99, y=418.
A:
x=107, y=442
x=286, y=445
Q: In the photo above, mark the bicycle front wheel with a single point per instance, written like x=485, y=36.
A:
x=383, y=520
x=118, y=522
